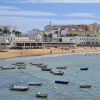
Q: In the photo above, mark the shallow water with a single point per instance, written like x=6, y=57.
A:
x=72, y=91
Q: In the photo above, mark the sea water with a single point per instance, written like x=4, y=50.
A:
x=73, y=74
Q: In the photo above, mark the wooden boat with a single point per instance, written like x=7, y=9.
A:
x=83, y=68
x=45, y=69
x=21, y=67
x=20, y=62
x=51, y=71
x=18, y=88
x=35, y=84
x=42, y=95
x=62, y=82
x=58, y=73
x=61, y=67
x=85, y=86
x=42, y=66
x=7, y=68
x=36, y=64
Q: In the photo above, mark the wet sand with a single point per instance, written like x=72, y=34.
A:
x=45, y=51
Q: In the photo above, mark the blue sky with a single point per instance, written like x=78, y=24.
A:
x=29, y=14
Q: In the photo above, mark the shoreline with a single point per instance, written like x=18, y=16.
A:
x=45, y=51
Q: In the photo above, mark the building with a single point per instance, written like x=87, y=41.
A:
x=93, y=27
x=80, y=33
x=81, y=40
x=75, y=27
x=10, y=28
x=49, y=28
x=33, y=34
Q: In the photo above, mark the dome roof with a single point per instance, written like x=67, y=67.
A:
x=12, y=35
x=4, y=41
x=72, y=41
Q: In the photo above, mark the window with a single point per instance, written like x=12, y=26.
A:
x=96, y=42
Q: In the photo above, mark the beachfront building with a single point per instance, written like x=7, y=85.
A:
x=10, y=28
x=80, y=33
x=81, y=40
x=7, y=41
x=35, y=35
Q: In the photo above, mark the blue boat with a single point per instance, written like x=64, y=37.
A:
x=62, y=82
x=83, y=68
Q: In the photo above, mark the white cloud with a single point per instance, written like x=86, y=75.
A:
x=25, y=13
x=25, y=24
x=54, y=1
x=81, y=15
x=8, y=7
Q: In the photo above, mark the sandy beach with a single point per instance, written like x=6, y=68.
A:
x=45, y=51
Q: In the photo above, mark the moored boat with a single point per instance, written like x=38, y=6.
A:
x=42, y=66
x=42, y=95
x=18, y=88
x=7, y=68
x=85, y=86
x=35, y=83
x=45, y=69
x=62, y=82
x=61, y=67
x=51, y=71
x=83, y=68
x=21, y=67
x=36, y=64
x=58, y=73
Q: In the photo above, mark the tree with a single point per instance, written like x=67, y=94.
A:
x=17, y=33
x=56, y=32
x=6, y=31
x=45, y=36
x=50, y=35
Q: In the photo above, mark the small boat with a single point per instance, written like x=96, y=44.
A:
x=21, y=67
x=85, y=86
x=58, y=73
x=7, y=68
x=36, y=63
x=42, y=66
x=20, y=62
x=52, y=71
x=42, y=95
x=18, y=88
x=34, y=83
x=83, y=68
x=45, y=69
x=61, y=67
x=62, y=82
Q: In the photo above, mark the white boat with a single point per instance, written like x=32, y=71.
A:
x=35, y=84
x=58, y=73
x=85, y=86
x=42, y=66
x=18, y=88
x=61, y=67
x=42, y=95
x=52, y=71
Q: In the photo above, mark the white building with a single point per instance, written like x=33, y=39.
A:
x=81, y=40
x=35, y=34
x=10, y=28
x=10, y=38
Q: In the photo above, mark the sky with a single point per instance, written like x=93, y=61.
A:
x=35, y=14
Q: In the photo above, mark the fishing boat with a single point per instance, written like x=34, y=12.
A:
x=51, y=71
x=18, y=88
x=62, y=82
x=42, y=95
x=35, y=83
x=36, y=64
x=21, y=67
x=42, y=66
x=85, y=86
x=61, y=67
x=45, y=69
x=83, y=68
x=7, y=68
x=58, y=73
x=21, y=64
